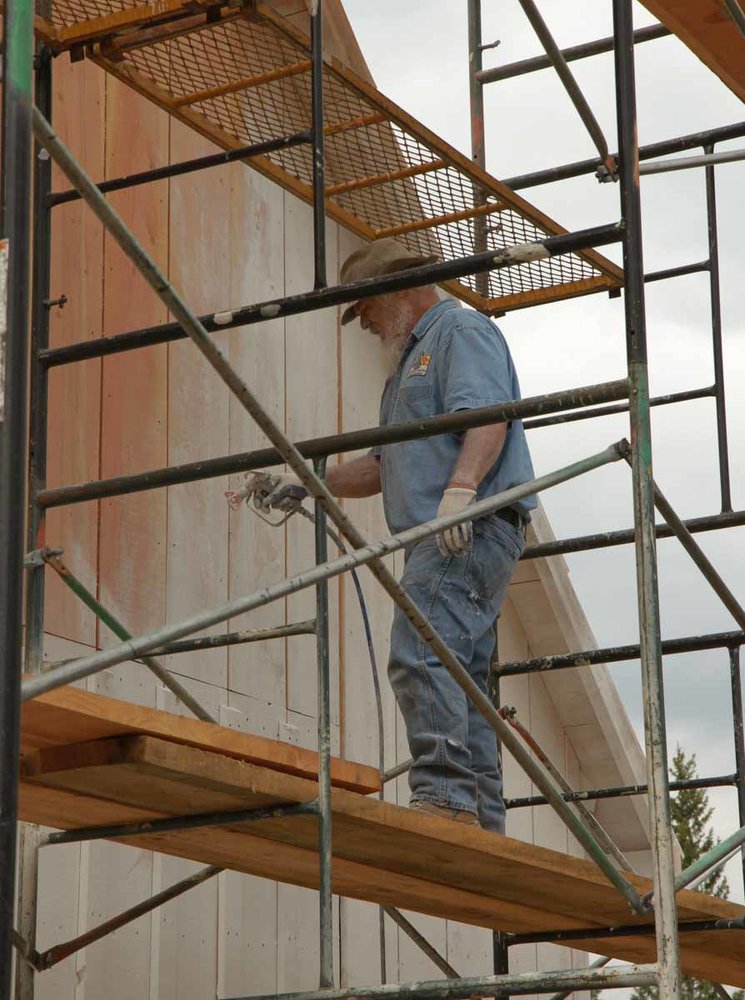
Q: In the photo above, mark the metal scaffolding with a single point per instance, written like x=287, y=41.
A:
x=529, y=261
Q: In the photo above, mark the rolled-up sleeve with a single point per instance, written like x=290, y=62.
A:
x=477, y=370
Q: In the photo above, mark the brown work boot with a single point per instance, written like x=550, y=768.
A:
x=456, y=815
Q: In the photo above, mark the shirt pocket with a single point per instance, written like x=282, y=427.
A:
x=415, y=401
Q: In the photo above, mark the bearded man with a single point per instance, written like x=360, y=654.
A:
x=442, y=358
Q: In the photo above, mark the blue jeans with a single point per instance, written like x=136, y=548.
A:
x=453, y=747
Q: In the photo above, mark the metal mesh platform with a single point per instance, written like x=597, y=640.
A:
x=241, y=75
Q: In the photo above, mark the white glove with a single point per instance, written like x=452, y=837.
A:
x=458, y=540
x=285, y=493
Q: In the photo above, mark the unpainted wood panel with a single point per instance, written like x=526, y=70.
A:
x=338, y=38
x=545, y=726
x=129, y=682
x=311, y=408
x=75, y=390
x=118, y=966
x=257, y=352
x=298, y=942
x=210, y=697
x=302, y=731
x=250, y=715
x=198, y=404
x=413, y=964
x=247, y=935
x=361, y=731
x=58, y=917
x=469, y=949
x=359, y=935
x=362, y=376
x=573, y=774
x=523, y=958
x=185, y=934
x=512, y=643
x=554, y=956
x=133, y=528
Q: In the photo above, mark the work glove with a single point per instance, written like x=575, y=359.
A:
x=284, y=492
x=456, y=541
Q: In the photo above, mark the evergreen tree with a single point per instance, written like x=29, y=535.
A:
x=691, y=814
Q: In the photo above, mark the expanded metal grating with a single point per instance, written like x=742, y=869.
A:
x=241, y=75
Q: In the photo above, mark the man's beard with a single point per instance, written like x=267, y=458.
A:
x=399, y=324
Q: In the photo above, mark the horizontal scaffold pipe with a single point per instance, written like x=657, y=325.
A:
x=693, y=140
x=135, y=648
x=293, y=305
x=690, y=162
x=574, y=52
x=605, y=411
x=605, y=539
x=624, y=930
x=336, y=444
x=193, y=821
x=485, y=986
x=186, y=167
x=623, y=791
x=616, y=654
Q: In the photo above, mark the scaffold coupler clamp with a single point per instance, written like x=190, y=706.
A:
x=40, y=557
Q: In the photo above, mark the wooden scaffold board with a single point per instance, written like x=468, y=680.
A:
x=382, y=853
x=709, y=30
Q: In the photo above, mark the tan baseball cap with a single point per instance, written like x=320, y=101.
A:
x=373, y=261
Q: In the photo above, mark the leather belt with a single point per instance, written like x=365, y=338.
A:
x=511, y=516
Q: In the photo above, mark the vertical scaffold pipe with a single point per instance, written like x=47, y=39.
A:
x=324, y=749
x=716, y=333
x=478, y=146
x=319, y=171
x=737, y=716
x=29, y=835
x=17, y=65
x=668, y=955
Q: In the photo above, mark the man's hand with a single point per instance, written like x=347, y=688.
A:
x=458, y=540
x=283, y=492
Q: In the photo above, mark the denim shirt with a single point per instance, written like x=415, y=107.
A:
x=454, y=359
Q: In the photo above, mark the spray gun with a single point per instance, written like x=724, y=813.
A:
x=256, y=490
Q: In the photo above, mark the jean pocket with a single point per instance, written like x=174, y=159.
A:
x=496, y=529
x=492, y=561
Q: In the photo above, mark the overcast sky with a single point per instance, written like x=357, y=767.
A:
x=417, y=52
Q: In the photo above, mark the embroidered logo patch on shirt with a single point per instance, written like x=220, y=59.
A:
x=420, y=366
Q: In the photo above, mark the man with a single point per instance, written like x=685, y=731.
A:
x=442, y=359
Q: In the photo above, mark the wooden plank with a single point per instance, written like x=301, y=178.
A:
x=132, y=570
x=253, y=855
x=311, y=408
x=362, y=373
x=74, y=418
x=197, y=556
x=58, y=917
x=710, y=32
x=118, y=967
x=257, y=352
x=247, y=935
x=186, y=932
x=69, y=715
x=382, y=852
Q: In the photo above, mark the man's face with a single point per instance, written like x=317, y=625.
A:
x=389, y=317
